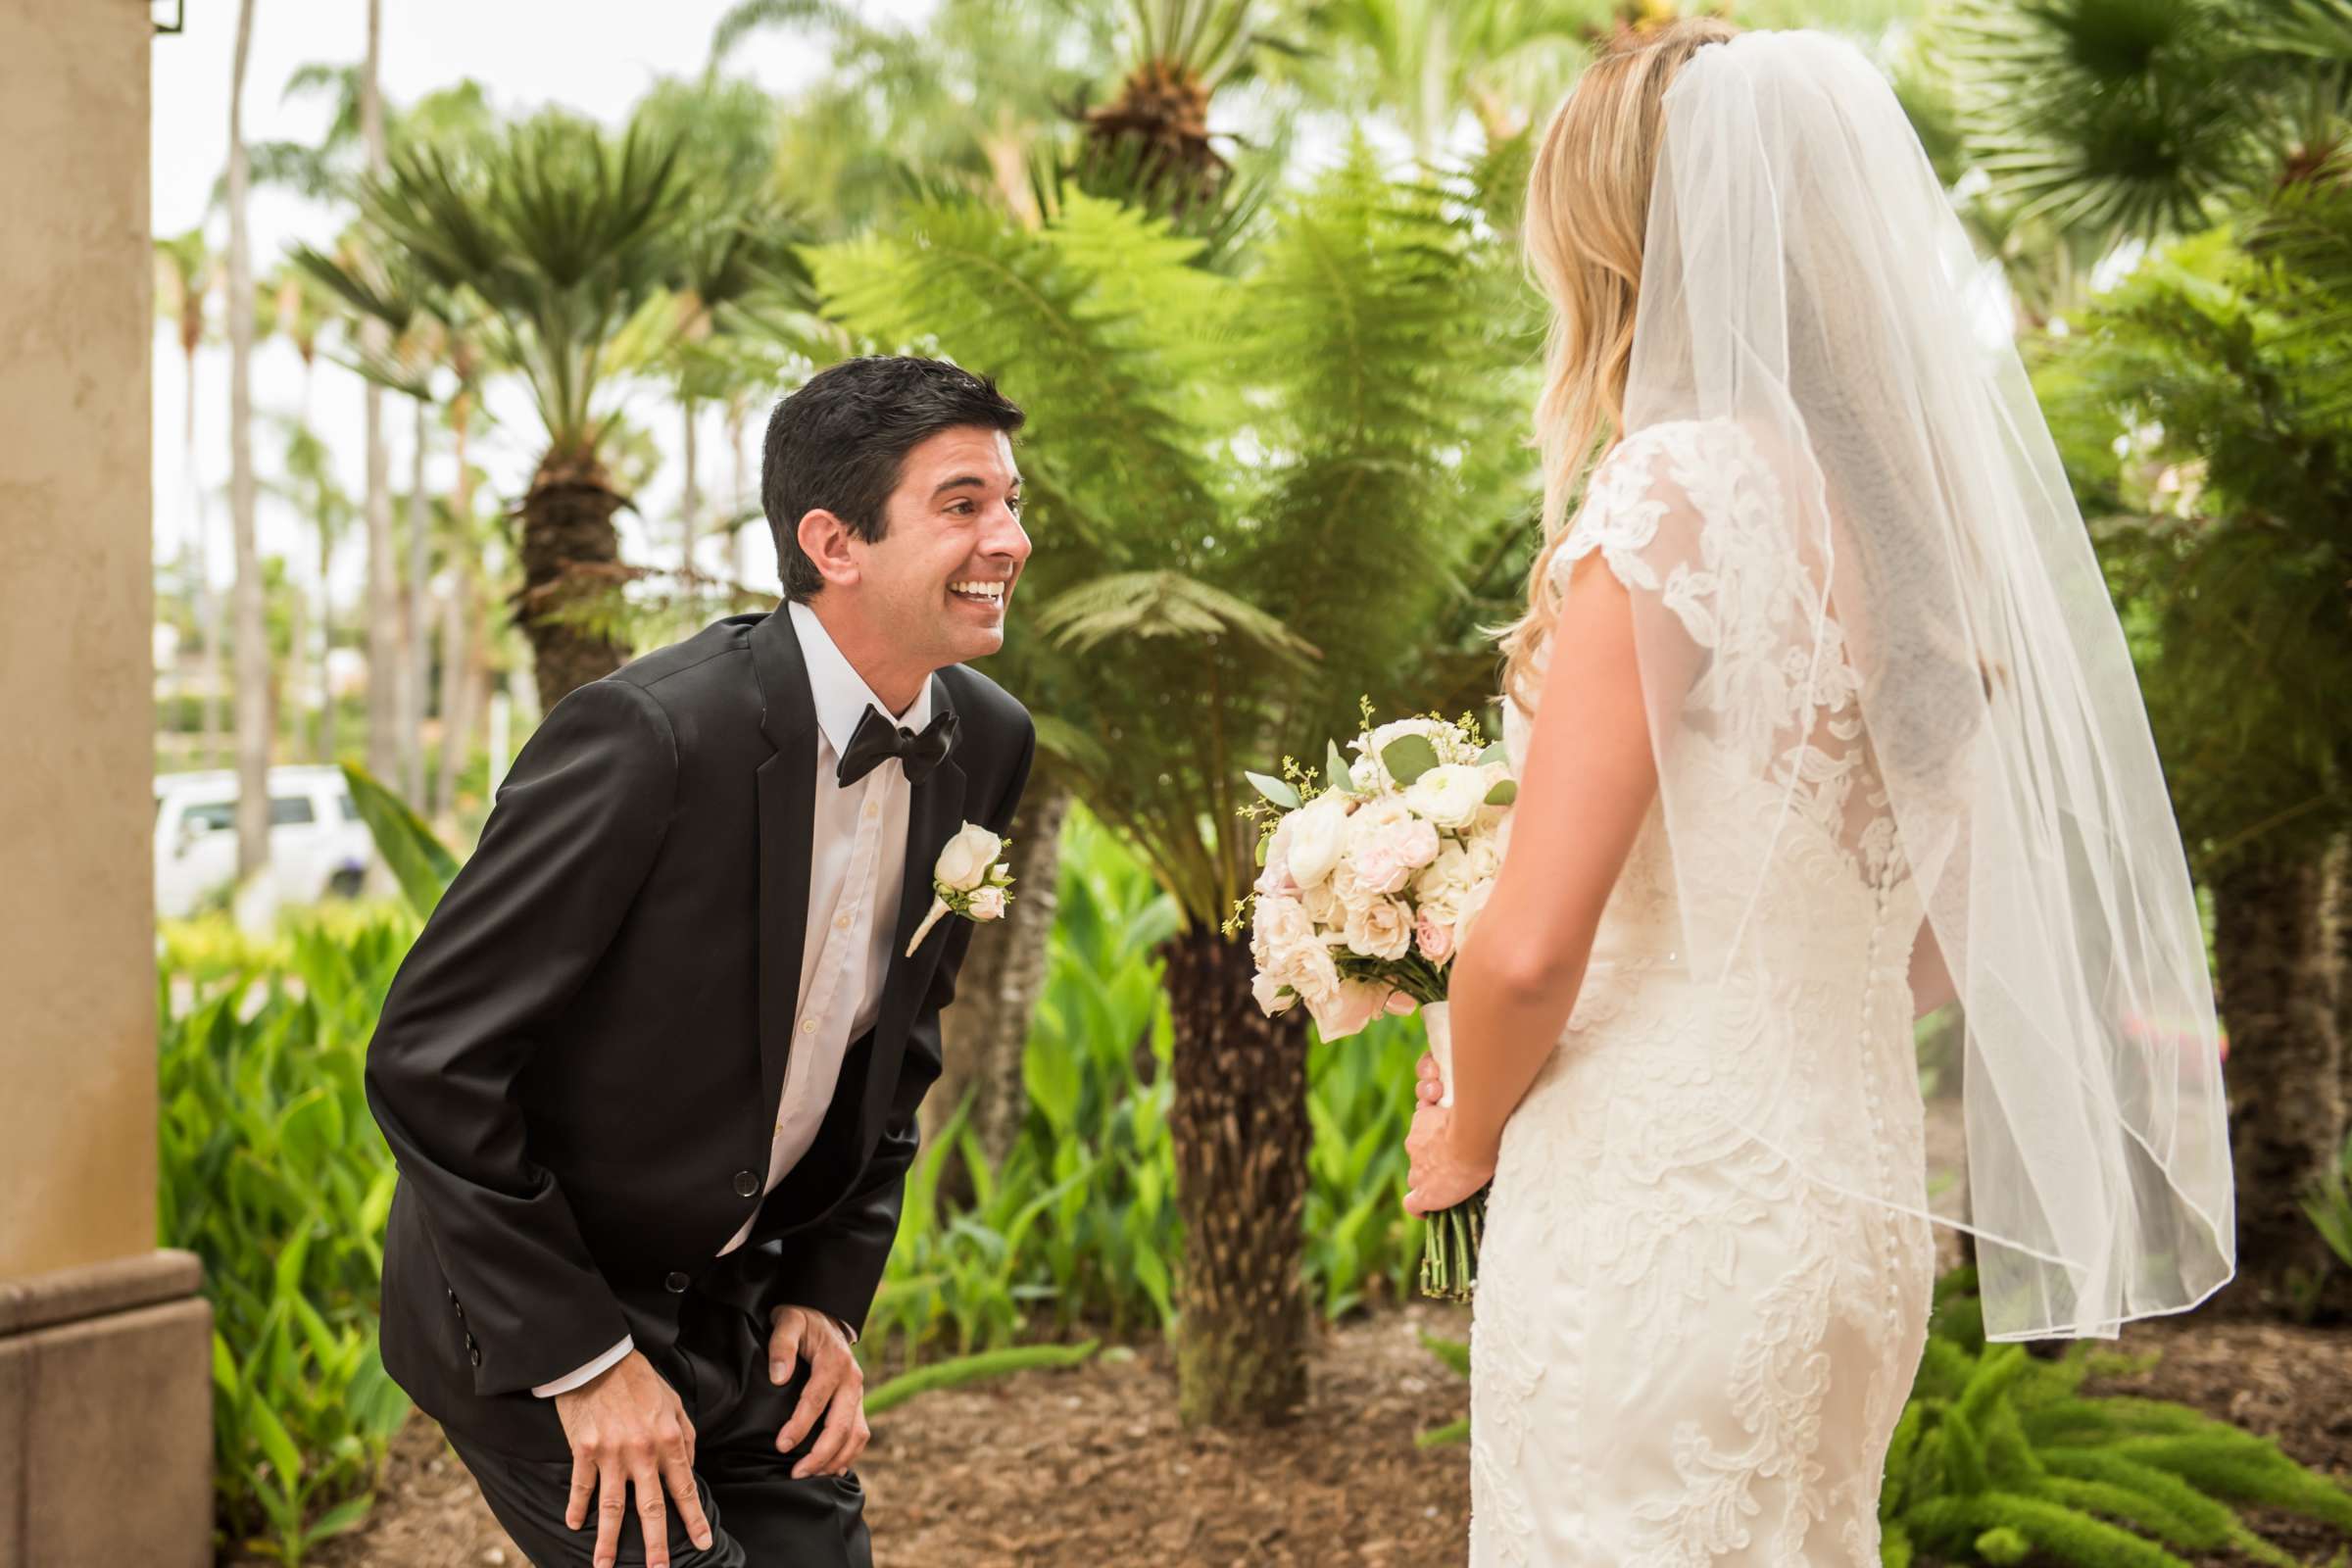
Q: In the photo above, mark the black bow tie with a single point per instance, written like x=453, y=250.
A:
x=877, y=739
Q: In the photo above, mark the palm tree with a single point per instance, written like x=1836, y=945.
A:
x=383, y=612
x=562, y=240
x=255, y=722
x=2138, y=119
x=1202, y=611
x=186, y=272
x=736, y=248
x=967, y=95
x=311, y=488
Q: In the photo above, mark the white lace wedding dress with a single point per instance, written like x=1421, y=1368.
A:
x=1688, y=1351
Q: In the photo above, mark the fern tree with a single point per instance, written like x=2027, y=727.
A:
x=1256, y=494
x=2230, y=550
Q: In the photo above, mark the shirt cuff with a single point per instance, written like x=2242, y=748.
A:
x=571, y=1380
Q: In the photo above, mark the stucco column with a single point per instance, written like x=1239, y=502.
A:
x=105, y=1415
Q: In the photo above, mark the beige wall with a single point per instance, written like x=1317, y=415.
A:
x=76, y=934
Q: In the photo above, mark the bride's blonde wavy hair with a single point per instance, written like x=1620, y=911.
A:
x=1588, y=209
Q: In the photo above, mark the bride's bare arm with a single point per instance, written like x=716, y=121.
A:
x=1588, y=781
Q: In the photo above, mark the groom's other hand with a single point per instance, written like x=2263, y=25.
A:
x=835, y=1391
x=628, y=1429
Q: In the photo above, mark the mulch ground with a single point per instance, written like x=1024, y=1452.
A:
x=1089, y=1467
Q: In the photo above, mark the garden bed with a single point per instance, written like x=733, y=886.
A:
x=1089, y=1467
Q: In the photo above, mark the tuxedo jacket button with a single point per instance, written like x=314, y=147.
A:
x=677, y=1284
x=474, y=1355
x=747, y=1185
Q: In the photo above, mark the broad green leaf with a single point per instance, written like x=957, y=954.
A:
x=1407, y=757
x=1503, y=793
x=424, y=868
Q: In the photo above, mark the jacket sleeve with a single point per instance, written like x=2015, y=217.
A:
x=571, y=838
x=837, y=1266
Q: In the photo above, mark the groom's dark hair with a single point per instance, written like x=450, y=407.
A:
x=837, y=444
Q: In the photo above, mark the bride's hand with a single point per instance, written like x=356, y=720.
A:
x=1444, y=1173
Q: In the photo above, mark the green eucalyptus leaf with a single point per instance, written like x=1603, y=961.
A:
x=1274, y=789
x=1497, y=753
x=1502, y=794
x=1335, y=767
x=1407, y=757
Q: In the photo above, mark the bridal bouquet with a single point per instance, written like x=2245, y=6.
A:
x=1372, y=875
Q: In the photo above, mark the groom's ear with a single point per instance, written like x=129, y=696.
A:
x=830, y=546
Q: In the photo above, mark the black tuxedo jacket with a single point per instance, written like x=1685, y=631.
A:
x=579, y=1062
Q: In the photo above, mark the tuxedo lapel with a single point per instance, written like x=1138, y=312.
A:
x=786, y=793
x=934, y=813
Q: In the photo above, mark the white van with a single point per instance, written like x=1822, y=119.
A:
x=317, y=843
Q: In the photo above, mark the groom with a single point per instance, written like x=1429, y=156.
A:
x=650, y=1071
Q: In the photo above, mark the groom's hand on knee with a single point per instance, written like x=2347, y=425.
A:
x=628, y=1430
x=835, y=1392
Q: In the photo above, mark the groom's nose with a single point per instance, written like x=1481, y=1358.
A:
x=1004, y=539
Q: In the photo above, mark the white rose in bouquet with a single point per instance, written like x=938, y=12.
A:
x=1282, y=927
x=1439, y=888
x=1273, y=997
x=1382, y=929
x=1318, y=836
x=1348, y=889
x=1450, y=795
x=1322, y=905
x=963, y=864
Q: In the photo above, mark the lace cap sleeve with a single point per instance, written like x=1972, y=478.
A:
x=1684, y=512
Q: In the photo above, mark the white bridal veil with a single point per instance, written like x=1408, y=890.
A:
x=1805, y=280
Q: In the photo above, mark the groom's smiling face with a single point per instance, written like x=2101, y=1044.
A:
x=943, y=574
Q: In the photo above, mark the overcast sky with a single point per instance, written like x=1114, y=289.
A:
x=597, y=56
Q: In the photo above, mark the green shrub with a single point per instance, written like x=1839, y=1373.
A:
x=1999, y=1455
x=273, y=1173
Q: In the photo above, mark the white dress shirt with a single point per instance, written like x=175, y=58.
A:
x=856, y=857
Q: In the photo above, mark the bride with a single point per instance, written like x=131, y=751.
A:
x=1822, y=718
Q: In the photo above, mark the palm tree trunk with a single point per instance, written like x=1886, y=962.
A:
x=382, y=609
x=253, y=646
x=690, y=499
x=983, y=1035
x=1240, y=1126
x=417, y=676
x=455, y=720
x=570, y=551
x=325, y=747
x=2280, y=997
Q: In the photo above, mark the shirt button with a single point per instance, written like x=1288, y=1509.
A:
x=871, y=809
x=843, y=923
x=747, y=1185
x=807, y=1026
x=677, y=1284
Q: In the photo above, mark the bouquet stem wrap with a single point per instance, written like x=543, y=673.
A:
x=1449, y=1246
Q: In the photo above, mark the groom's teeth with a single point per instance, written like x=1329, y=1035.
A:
x=994, y=592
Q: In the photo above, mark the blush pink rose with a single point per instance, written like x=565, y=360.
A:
x=1393, y=853
x=1434, y=938
x=986, y=903
x=1357, y=1003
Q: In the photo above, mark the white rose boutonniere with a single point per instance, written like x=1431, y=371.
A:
x=969, y=878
